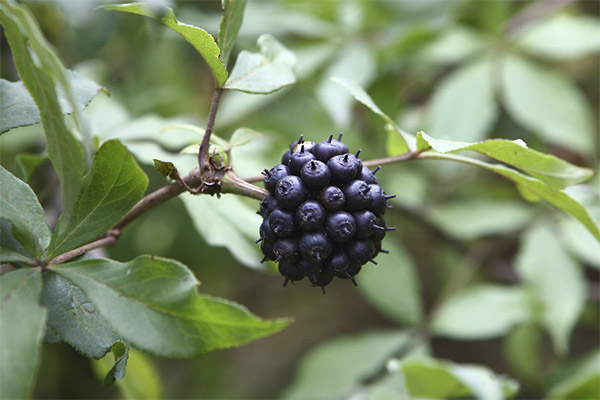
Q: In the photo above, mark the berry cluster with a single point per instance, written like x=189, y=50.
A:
x=324, y=216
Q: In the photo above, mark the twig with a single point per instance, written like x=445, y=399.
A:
x=109, y=240
x=204, y=146
x=394, y=159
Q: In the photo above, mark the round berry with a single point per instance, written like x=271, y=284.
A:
x=337, y=262
x=315, y=175
x=315, y=246
x=343, y=168
x=265, y=230
x=290, y=271
x=310, y=215
x=365, y=220
x=266, y=246
x=365, y=174
x=274, y=175
x=360, y=251
x=290, y=192
x=286, y=250
x=282, y=222
x=309, y=268
x=358, y=195
x=340, y=226
x=298, y=159
x=332, y=198
x=267, y=205
x=326, y=149
x=322, y=279
x=378, y=202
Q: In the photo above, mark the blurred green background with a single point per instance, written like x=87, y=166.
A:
x=462, y=70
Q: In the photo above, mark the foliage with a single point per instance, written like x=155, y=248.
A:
x=479, y=260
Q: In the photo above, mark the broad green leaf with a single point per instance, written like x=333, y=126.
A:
x=142, y=380
x=114, y=185
x=523, y=353
x=355, y=63
x=74, y=318
x=29, y=164
x=453, y=46
x=334, y=369
x=8, y=256
x=20, y=206
x=562, y=37
x=474, y=218
x=481, y=312
x=264, y=72
x=437, y=379
x=243, y=136
x=233, y=14
x=401, y=140
x=580, y=241
x=64, y=150
x=202, y=41
x=121, y=355
x=555, y=281
x=533, y=187
x=552, y=170
x=582, y=383
x=227, y=222
x=462, y=106
x=152, y=303
x=8, y=241
x=547, y=103
x=21, y=331
x=17, y=107
x=392, y=286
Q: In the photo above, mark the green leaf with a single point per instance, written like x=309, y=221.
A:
x=334, y=369
x=166, y=168
x=114, y=185
x=523, y=353
x=550, y=169
x=264, y=72
x=474, y=218
x=227, y=222
x=582, y=383
x=142, y=380
x=152, y=303
x=547, y=103
x=75, y=319
x=233, y=14
x=436, y=379
x=20, y=206
x=202, y=41
x=556, y=282
x=481, y=312
x=29, y=164
x=532, y=187
x=454, y=45
x=243, y=136
x=121, y=355
x=562, y=37
x=18, y=107
x=393, y=286
x=8, y=256
x=26, y=41
x=402, y=140
x=21, y=329
x=462, y=106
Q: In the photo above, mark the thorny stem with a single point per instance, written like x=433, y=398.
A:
x=204, y=146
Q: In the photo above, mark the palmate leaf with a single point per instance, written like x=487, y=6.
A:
x=202, y=41
x=152, y=303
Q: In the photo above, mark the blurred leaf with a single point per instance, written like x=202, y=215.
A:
x=166, y=168
x=22, y=330
x=399, y=142
x=18, y=107
x=243, y=136
x=393, y=286
x=492, y=15
x=583, y=383
x=227, y=222
x=523, y=352
x=547, y=103
x=74, y=318
x=40, y=69
x=152, y=303
x=112, y=187
x=580, y=241
x=202, y=41
x=454, y=45
x=8, y=256
x=474, y=218
x=29, y=163
x=356, y=64
x=121, y=354
x=264, y=72
x=20, y=206
x=436, y=379
x=231, y=20
x=335, y=368
x=481, y=312
x=462, y=106
x=556, y=282
x=562, y=37
x=142, y=380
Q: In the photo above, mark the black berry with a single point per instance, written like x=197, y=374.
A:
x=298, y=159
x=290, y=192
x=282, y=223
x=315, y=175
x=315, y=246
x=358, y=195
x=332, y=198
x=274, y=175
x=310, y=215
x=343, y=168
x=340, y=226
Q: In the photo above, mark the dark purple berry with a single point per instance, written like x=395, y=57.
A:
x=360, y=251
x=310, y=215
x=298, y=159
x=343, y=168
x=365, y=220
x=321, y=279
x=365, y=174
x=267, y=205
x=282, y=222
x=274, y=175
x=290, y=271
x=290, y=192
x=332, y=198
x=315, y=175
x=358, y=195
x=266, y=246
x=326, y=149
x=265, y=230
x=309, y=268
x=286, y=250
x=285, y=158
x=340, y=226
x=378, y=202
x=315, y=246
x=337, y=262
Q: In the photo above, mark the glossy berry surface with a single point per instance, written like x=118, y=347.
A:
x=324, y=216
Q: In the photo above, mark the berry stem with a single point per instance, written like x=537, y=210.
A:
x=204, y=146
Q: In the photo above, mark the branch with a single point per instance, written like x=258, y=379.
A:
x=110, y=239
x=204, y=146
